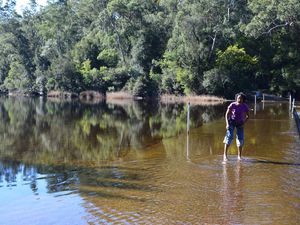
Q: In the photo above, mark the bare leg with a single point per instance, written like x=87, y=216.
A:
x=240, y=148
x=240, y=141
x=225, y=152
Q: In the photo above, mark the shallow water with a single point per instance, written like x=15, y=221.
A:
x=133, y=163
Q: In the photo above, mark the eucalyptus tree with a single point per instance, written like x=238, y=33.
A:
x=277, y=24
x=200, y=28
x=120, y=44
x=8, y=40
x=15, y=61
x=234, y=71
x=58, y=31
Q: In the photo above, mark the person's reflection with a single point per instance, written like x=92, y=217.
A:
x=233, y=204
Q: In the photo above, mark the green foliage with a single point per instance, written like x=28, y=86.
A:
x=270, y=16
x=64, y=76
x=8, y=52
x=18, y=77
x=93, y=79
x=235, y=58
x=276, y=25
x=117, y=77
x=145, y=87
x=168, y=80
x=234, y=72
x=109, y=57
x=216, y=82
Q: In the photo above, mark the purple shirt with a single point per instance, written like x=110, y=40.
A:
x=238, y=112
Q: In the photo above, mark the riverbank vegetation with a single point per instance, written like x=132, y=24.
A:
x=150, y=48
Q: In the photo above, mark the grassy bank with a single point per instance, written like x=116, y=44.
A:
x=193, y=99
x=120, y=95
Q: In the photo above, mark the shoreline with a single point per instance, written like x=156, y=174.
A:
x=95, y=97
x=92, y=96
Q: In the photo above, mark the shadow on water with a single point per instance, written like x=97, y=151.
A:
x=270, y=162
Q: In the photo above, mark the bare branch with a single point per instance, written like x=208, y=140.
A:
x=213, y=44
x=276, y=26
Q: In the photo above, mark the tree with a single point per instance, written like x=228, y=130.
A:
x=277, y=22
x=200, y=27
x=64, y=76
x=18, y=77
x=176, y=47
x=270, y=16
x=234, y=72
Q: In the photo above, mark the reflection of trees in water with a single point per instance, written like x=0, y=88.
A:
x=15, y=124
x=8, y=172
x=10, y=169
x=278, y=110
x=170, y=120
x=34, y=131
x=14, y=173
x=69, y=179
x=53, y=132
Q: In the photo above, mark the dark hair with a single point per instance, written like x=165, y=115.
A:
x=242, y=95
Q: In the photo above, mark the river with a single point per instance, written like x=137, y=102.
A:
x=126, y=162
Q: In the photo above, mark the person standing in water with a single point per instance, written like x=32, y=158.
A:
x=236, y=116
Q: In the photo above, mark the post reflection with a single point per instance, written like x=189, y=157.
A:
x=188, y=147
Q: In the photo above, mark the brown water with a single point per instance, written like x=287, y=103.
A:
x=133, y=163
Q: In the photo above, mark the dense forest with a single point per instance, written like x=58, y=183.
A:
x=151, y=47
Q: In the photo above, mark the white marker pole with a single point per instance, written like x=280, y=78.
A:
x=188, y=119
x=290, y=102
x=188, y=132
x=254, y=104
x=263, y=101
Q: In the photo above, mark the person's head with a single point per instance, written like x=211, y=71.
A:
x=240, y=97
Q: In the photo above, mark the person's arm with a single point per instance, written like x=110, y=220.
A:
x=246, y=117
x=227, y=114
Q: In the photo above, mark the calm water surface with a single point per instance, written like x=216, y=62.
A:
x=133, y=163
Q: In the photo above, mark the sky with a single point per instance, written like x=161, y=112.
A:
x=22, y=3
